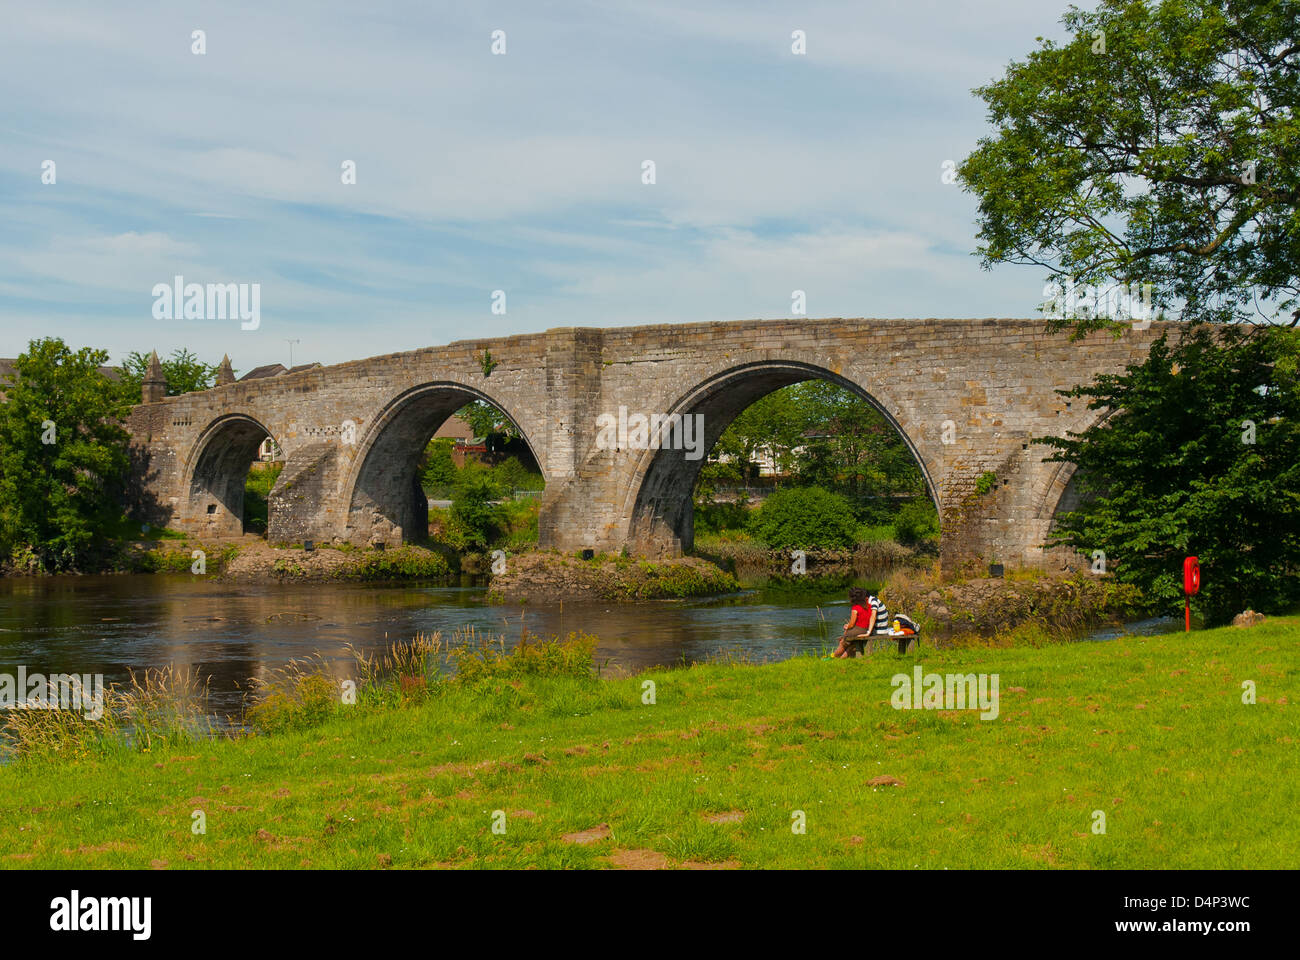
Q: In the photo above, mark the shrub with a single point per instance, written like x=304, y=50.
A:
x=916, y=522
x=480, y=662
x=406, y=563
x=162, y=560
x=718, y=517
x=294, y=701
x=680, y=580
x=804, y=518
x=876, y=533
x=439, y=468
x=518, y=520
x=472, y=506
x=445, y=528
x=513, y=475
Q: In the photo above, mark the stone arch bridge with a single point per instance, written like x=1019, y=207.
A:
x=967, y=396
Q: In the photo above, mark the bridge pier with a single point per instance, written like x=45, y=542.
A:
x=304, y=503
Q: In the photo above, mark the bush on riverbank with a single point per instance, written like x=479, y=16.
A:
x=549, y=576
x=406, y=563
x=440, y=476
x=510, y=525
x=990, y=606
x=257, y=560
x=747, y=559
x=179, y=558
x=805, y=518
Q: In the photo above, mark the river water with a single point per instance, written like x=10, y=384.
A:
x=232, y=632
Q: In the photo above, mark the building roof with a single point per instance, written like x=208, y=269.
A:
x=267, y=370
x=455, y=428
x=275, y=370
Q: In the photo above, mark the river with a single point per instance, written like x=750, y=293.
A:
x=232, y=632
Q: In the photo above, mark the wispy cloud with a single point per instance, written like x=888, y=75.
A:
x=476, y=172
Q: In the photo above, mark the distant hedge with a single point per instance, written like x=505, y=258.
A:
x=802, y=518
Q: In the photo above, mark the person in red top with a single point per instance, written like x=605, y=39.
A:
x=862, y=623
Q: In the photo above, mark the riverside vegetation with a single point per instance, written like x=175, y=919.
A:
x=710, y=771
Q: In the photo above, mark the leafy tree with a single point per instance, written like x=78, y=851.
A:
x=486, y=420
x=439, y=468
x=768, y=427
x=847, y=444
x=183, y=371
x=803, y=518
x=917, y=521
x=63, y=454
x=472, y=507
x=1160, y=145
x=1200, y=456
x=512, y=474
x=824, y=434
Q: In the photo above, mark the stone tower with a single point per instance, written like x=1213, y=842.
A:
x=225, y=374
x=154, y=386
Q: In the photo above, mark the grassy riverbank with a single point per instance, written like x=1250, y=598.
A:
x=1150, y=731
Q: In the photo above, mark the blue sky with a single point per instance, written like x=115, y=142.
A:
x=478, y=172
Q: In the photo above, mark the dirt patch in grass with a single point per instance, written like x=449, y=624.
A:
x=637, y=860
x=584, y=837
x=730, y=816
x=112, y=846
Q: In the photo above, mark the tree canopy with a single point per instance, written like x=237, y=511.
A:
x=486, y=420
x=63, y=454
x=1199, y=454
x=1160, y=145
x=822, y=434
x=184, y=372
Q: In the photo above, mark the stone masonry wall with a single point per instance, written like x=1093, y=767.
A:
x=967, y=395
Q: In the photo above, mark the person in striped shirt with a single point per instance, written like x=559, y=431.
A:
x=868, y=618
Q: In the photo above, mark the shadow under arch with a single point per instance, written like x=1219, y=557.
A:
x=1063, y=494
x=660, y=500
x=386, y=503
x=216, y=472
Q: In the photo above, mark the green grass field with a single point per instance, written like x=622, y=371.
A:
x=1152, y=732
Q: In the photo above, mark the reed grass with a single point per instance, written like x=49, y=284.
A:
x=157, y=707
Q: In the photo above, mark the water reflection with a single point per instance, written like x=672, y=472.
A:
x=233, y=632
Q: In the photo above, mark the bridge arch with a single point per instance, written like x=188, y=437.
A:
x=660, y=497
x=215, y=473
x=1062, y=493
x=386, y=503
